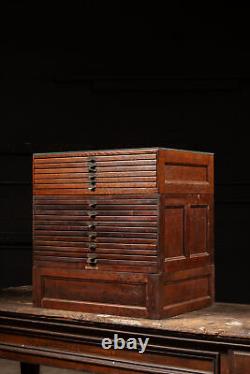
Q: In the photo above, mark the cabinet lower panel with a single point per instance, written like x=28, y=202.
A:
x=124, y=294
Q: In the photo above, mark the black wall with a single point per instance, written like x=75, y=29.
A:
x=109, y=75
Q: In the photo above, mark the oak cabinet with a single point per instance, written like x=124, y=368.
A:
x=126, y=232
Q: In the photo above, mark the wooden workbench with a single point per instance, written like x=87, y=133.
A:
x=211, y=340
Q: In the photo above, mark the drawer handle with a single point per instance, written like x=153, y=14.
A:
x=92, y=236
x=92, y=205
x=92, y=177
x=91, y=258
x=91, y=188
x=92, y=160
x=92, y=168
x=92, y=214
x=91, y=261
x=92, y=227
x=92, y=247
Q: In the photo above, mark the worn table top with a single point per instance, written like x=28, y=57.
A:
x=222, y=320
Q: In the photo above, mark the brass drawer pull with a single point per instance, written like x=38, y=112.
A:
x=91, y=226
x=92, y=247
x=91, y=188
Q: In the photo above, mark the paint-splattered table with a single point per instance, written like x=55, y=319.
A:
x=211, y=340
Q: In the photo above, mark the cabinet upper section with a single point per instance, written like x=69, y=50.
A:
x=144, y=170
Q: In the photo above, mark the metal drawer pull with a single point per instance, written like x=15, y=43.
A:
x=92, y=205
x=92, y=236
x=92, y=160
x=91, y=258
x=92, y=214
x=92, y=188
x=92, y=247
x=92, y=227
x=92, y=177
x=91, y=261
x=92, y=168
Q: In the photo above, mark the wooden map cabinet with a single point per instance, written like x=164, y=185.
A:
x=126, y=232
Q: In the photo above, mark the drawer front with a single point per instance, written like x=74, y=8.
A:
x=95, y=173
x=115, y=232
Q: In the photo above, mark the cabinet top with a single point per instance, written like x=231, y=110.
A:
x=121, y=150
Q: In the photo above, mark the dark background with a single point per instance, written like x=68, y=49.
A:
x=95, y=75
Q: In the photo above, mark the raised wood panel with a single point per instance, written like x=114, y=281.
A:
x=185, y=288
x=198, y=229
x=186, y=173
x=174, y=238
x=191, y=234
x=109, y=293
x=84, y=290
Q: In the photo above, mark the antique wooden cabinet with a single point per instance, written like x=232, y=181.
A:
x=126, y=232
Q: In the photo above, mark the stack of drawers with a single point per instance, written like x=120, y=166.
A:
x=127, y=232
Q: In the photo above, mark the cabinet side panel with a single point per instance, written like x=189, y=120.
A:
x=188, y=231
x=174, y=225
x=188, y=281
x=186, y=172
x=187, y=290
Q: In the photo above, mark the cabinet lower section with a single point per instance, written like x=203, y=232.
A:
x=140, y=295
